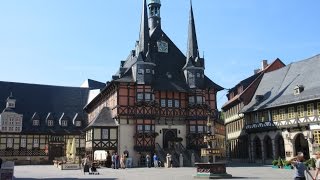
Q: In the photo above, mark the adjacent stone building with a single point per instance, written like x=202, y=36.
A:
x=282, y=118
x=239, y=96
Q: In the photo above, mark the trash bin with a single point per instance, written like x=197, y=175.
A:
x=7, y=170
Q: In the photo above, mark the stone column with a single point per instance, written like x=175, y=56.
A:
x=251, y=151
x=263, y=152
x=193, y=159
x=181, y=160
x=274, y=153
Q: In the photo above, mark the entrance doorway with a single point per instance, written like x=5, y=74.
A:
x=279, y=143
x=169, y=135
x=56, y=151
x=301, y=145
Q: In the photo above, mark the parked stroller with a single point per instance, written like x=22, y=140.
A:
x=94, y=170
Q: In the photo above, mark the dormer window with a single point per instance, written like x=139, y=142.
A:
x=78, y=123
x=64, y=123
x=50, y=123
x=298, y=89
x=259, y=98
x=140, y=71
x=35, y=122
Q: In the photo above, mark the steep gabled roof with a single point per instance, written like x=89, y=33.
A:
x=277, y=88
x=43, y=99
x=252, y=80
x=103, y=119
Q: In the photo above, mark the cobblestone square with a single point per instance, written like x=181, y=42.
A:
x=50, y=172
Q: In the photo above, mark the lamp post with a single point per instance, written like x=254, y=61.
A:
x=211, y=169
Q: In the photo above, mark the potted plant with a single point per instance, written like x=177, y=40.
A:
x=312, y=164
x=275, y=163
x=287, y=165
x=280, y=163
x=307, y=163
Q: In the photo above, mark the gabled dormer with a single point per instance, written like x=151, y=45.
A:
x=35, y=119
x=11, y=102
x=77, y=120
x=64, y=120
x=50, y=120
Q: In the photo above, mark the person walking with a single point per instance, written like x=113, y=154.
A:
x=155, y=160
x=116, y=161
x=148, y=161
x=122, y=162
x=317, y=166
x=113, y=159
x=300, y=168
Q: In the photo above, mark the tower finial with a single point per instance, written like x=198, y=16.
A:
x=192, y=36
x=144, y=30
x=154, y=14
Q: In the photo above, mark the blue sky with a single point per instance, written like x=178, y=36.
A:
x=64, y=42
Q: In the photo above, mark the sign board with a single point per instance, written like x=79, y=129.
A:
x=210, y=152
x=209, y=138
x=69, y=166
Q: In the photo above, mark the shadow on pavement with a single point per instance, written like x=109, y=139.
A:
x=64, y=179
x=244, y=178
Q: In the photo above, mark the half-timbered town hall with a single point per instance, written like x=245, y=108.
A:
x=159, y=99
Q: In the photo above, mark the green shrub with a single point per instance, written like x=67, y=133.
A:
x=280, y=163
x=286, y=163
x=312, y=163
x=275, y=162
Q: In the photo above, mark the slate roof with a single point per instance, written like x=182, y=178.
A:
x=104, y=119
x=166, y=63
x=93, y=84
x=46, y=102
x=277, y=87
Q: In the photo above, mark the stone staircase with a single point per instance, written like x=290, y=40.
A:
x=175, y=155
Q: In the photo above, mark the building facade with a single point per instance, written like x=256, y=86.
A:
x=158, y=101
x=36, y=121
x=283, y=115
x=239, y=96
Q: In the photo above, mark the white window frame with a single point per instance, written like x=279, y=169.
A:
x=139, y=97
x=50, y=123
x=191, y=100
x=23, y=142
x=36, y=122
x=64, y=123
x=199, y=99
x=10, y=142
x=36, y=143
x=170, y=104
x=105, y=133
x=176, y=103
x=140, y=71
x=78, y=123
x=163, y=102
x=192, y=128
x=148, y=97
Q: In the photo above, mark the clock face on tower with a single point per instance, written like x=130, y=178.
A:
x=162, y=46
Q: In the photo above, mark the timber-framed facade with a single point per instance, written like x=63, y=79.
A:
x=159, y=99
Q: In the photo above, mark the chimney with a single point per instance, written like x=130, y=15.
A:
x=256, y=71
x=264, y=64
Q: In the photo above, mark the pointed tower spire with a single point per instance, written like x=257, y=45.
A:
x=192, y=37
x=144, y=30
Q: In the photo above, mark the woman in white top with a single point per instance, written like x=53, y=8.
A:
x=317, y=165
